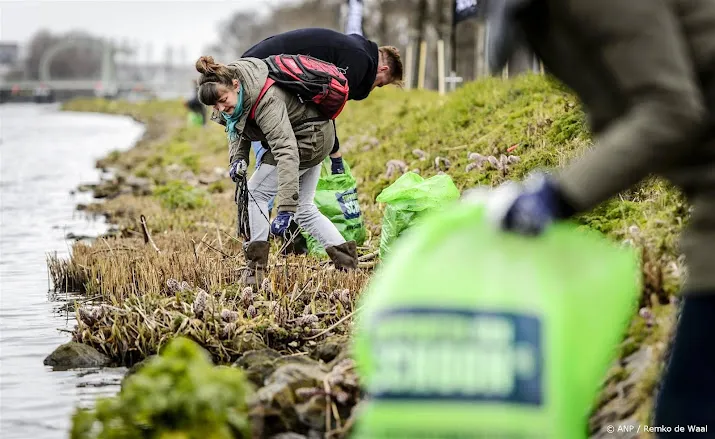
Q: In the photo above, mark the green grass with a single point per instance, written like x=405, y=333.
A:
x=178, y=194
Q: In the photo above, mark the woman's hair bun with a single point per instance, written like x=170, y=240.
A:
x=205, y=64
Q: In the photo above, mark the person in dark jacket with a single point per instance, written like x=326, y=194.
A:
x=645, y=73
x=365, y=65
x=195, y=106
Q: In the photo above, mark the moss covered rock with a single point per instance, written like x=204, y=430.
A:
x=328, y=349
x=258, y=364
x=76, y=355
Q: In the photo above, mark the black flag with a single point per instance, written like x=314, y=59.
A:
x=464, y=10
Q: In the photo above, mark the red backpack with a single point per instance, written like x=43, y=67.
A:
x=311, y=79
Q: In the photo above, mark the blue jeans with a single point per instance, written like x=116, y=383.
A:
x=259, y=150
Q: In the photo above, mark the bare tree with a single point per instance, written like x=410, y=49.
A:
x=238, y=34
x=244, y=29
x=385, y=10
x=387, y=22
x=83, y=61
x=421, y=27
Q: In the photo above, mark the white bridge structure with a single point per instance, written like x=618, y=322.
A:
x=114, y=78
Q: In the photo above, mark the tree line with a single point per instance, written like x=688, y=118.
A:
x=400, y=23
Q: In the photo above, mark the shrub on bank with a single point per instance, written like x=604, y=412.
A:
x=178, y=394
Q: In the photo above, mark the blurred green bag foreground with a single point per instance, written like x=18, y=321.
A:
x=467, y=332
x=336, y=198
x=177, y=395
x=408, y=199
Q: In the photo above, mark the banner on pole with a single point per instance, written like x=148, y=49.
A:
x=353, y=24
x=464, y=10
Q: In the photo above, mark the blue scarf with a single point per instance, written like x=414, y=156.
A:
x=232, y=119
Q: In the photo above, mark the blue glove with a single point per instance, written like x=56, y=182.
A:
x=537, y=205
x=237, y=170
x=280, y=223
x=336, y=165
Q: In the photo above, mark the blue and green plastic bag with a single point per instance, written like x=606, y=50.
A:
x=336, y=197
x=469, y=332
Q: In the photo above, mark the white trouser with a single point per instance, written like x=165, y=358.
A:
x=263, y=186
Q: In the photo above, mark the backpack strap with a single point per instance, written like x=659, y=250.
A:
x=266, y=86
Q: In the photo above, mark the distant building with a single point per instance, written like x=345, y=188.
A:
x=9, y=54
x=10, y=57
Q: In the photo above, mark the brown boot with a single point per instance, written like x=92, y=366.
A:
x=344, y=256
x=257, y=258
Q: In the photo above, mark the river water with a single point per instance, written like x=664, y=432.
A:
x=44, y=155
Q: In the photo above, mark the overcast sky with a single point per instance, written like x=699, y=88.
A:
x=189, y=24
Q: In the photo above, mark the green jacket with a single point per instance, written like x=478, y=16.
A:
x=294, y=144
x=643, y=70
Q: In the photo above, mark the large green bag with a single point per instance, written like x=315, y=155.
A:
x=408, y=199
x=469, y=332
x=336, y=198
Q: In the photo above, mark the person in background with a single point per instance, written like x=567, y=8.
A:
x=195, y=106
x=644, y=71
x=290, y=169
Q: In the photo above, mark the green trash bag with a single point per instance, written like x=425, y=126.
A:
x=408, y=199
x=468, y=332
x=193, y=119
x=336, y=197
